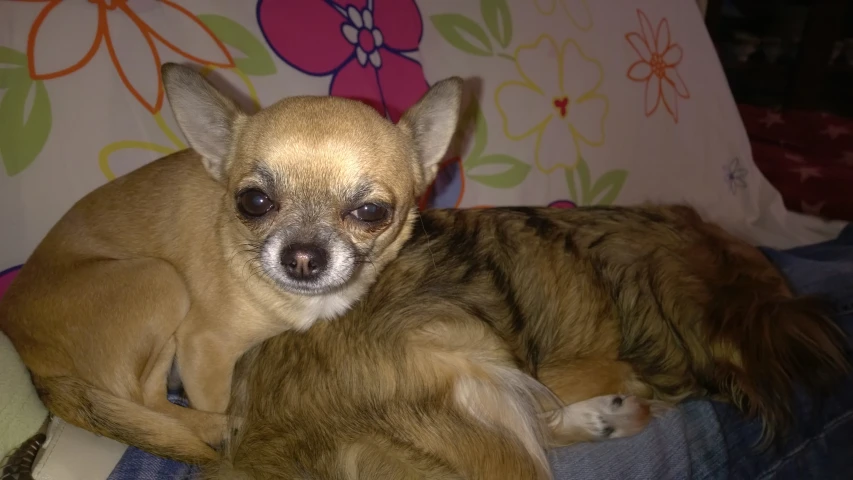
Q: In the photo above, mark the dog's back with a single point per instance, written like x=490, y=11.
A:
x=560, y=295
x=67, y=310
x=690, y=308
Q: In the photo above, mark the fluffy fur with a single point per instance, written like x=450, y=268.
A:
x=447, y=368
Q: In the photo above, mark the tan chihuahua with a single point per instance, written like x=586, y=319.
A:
x=199, y=256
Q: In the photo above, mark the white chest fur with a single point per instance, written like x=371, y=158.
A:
x=328, y=307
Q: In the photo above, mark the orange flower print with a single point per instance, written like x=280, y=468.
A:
x=125, y=30
x=659, y=57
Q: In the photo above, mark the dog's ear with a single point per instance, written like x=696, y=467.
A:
x=205, y=115
x=432, y=124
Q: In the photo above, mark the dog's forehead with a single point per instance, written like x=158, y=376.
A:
x=320, y=119
x=327, y=141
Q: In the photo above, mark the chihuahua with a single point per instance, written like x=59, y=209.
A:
x=271, y=222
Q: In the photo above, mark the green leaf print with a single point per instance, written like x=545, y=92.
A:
x=13, y=57
x=257, y=60
x=582, y=170
x=495, y=170
x=473, y=116
x=13, y=68
x=10, y=77
x=514, y=171
x=573, y=189
x=610, y=184
x=605, y=190
x=498, y=20
x=23, y=134
x=452, y=26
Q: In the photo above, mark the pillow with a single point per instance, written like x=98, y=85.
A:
x=600, y=103
x=21, y=411
x=579, y=101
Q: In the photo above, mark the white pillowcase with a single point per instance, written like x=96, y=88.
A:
x=605, y=95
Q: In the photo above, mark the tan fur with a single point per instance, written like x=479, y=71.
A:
x=447, y=368
x=160, y=266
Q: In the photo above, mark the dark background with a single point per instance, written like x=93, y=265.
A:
x=786, y=53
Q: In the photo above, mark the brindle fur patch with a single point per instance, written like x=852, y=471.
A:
x=650, y=301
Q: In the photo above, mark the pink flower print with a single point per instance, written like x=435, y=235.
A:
x=6, y=277
x=366, y=39
x=563, y=204
x=361, y=43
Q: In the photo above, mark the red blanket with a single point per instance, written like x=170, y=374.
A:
x=807, y=156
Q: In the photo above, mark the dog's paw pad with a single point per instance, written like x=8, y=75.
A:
x=616, y=416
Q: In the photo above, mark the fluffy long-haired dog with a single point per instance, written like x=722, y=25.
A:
x=446, y=369
x=497, y=333
x=273, y=221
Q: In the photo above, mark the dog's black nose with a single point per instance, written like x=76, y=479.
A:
x=304, y=262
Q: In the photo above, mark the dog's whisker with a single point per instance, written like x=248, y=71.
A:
x=429, y=246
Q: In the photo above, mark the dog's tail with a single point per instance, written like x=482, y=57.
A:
x=98, y=411
x=779, y=342
x=764, y=340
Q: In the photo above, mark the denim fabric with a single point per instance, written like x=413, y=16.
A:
x=659, y=452
x=138, y=465
x=710, y=440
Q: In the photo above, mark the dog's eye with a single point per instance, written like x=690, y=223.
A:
x=370, y=213
x=254, y=203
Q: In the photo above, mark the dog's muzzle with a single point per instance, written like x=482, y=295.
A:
x=304, y=262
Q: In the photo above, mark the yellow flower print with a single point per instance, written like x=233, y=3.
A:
x=577, y=10
x=558, y=101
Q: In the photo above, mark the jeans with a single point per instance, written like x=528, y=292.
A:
x=710, y=440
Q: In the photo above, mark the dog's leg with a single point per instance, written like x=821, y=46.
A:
x=599, y=418
x=210, y=427
x=206, y=362
x=583, y=379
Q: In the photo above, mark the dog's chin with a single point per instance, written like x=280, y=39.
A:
x=317, y=288
x=309, y=290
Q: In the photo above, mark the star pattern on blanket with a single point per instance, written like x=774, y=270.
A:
x=835, y=131
x=794, y=157
x=846, y=158
x=808, y=158
x=808, y=172
x=772, y=118
x=811, y=208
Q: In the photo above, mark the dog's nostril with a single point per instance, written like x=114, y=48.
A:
x=304, y=261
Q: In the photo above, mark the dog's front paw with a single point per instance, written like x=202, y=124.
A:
x=612, y=416
x=601, y=418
